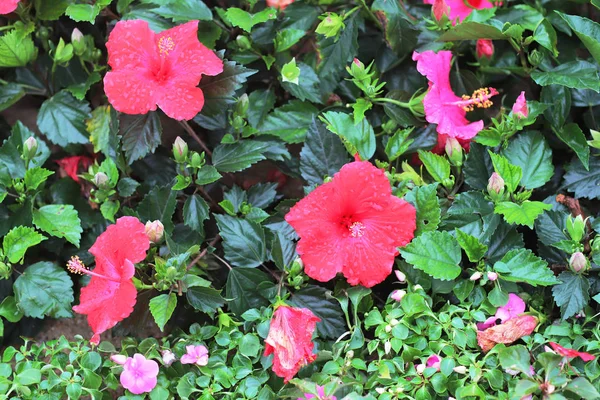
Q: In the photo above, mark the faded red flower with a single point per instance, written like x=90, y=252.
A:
x=508, y=332
x=290, y=340
x=111, y=295
x=353, y=225
x=74, y=164
x=164, y=69
x=280, y=4
x=570, y=353
x=8, y=6
x=484, y=48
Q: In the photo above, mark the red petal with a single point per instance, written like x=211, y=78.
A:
x=8, y=6
x=181, y=102
x=130, y=91
x=131, y=45
x=570, y=353
x=508, y=332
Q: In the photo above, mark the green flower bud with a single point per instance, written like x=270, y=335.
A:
x=180, y=150
x=101, y=180
x=30, y=147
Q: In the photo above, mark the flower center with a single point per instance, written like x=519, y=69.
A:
x=474, y=3
x=357, y=229
x=165, y=45
x=76, y=266
x=480, y=99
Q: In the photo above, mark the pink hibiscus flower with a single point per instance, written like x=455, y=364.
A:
x=139, y=374
x=484, y=48
x=520, y=109
x=8, y=6
x=461, y=9
x=442, y=106
x=111, y=295
x=514, y=307
x=164, y=69
x=353, y=225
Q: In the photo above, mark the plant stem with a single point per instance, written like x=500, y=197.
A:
x=193, y=134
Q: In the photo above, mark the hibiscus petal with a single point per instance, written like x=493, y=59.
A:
x=181, y=101
x=459, y=9
x=131, y=45
x=8, y=6
x=188, y=57
x=130, y=92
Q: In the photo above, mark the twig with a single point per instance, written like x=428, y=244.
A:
x=193, y=134
x=203, y=253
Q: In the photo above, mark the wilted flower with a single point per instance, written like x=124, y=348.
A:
x=290, y=340
x=352, y=225
x=506, y=333
x=195, y=355
x=514, y=307
x=73, y=164
x=139, y=374
x=578, y=262
x=520, y=109
x=111, y=295
x=154, y=230
x=570, y=353
x=434, y=361
x=397, y=295
x=8, y=6
x=484, y=48
x=164, y=69
x=168, y=357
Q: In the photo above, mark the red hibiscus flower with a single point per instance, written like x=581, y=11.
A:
x=8, y=6
x=73, y=164
x=110, y=295
x=290, y=340
x=280, y=4
x=150, y=69
x=353, y=225
x=508, y=332
x=570, y=353
x=461, y=9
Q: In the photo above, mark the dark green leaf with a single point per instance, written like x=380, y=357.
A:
x=336, y=54
x=531, y=153
x=325, y=307
x=582, y=182
x=478, y=167
x=10, y=93
x=289, y=122
x=472, y=31
x=140, y=135
x=400, y=32
x=158, y=204
x=583, y=388
x=587, y=30
x=260, y=103
x=62, y=119
x=50, y=10
x=243, y=291
x=573, y=136
x=205, y=299
x=195, y=212
x=572, y=295
x=238, y=156
x=184, y=10
x=323, y=154
x=243, y=241
x=550, y=227
x=559, y=99
x=574, y=74
x=308, y=85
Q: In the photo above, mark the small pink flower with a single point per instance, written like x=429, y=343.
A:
x=168, y=357
x=434, y=361
x=520, y=109
x=321, y=395
x=139, y=374
x=195, y=355
x=492, y=276
x=510, y=310
x=400, y=275
x=442, y=106
x=397, y=295
x=484, y=48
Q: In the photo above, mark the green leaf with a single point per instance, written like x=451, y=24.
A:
x=260, y=103
x=531, y=153
x=243, y=241
x=471, y=245
x=503, y=238
x=205, y=299
x=574, y=74
x=16, y=50
x=60, y=220
x=50, y=10
x=437, y=166
x=109, y=208
x=582, y=182
x=478, y=167
x=18, y=240
x=398, y=143
x=245, y=20
x=249, y=345
x=425, y=200
x=85, y=12
x=559, y=99
x=10, y=153
x=315, y=298
x=323, y=154
x=472, y=31
x=472, y=213
x=9, y=310
x=573, y=136
x=243, y=291
x=287, y=38
x=436, y=253
x=400, y=32
x=521, y=214
x=587, y=30
x=184, y=10
x=515, y=358
x=162, y=307
x=521, y=265
x=545, y=35
x=289, y=122
x=62, y=119
x=10, y=93
x=582, y=387
x=550, y=227
x=336, y=54
x=103, y=128
x=34, y=177
x=238, y=156
x=572, y=294
x=28, y=377
x=511, y=174
x=360, y=137
x=195, y=212
x=159, y=204
x=207, y=174
x=140, y=135
x=219, y=91
x=44, y=289
x=307, y=87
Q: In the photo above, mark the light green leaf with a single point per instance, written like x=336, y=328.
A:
x=9, y=309
x=472, y=31
x=103, y=128
x=162, y=307
x=511, y=174
x=290, y=73
x=582, y=387
x=521, y=265
x=16, y=50
x=521, y=214
x=243, y=241
x=531, y=153
x=60, y=220
x=471, y=245
x=35, y=176
x=62, y=119
x=44, y=289
x=245, y=20
x=437, y=253
x=18, y=240
x=437, y=166
x=357, y=138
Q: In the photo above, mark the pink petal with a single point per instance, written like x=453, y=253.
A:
x=130, y=92
x=131, y=45
x=180, y=101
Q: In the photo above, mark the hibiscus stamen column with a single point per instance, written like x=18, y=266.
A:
x=76, y=266
x=480, y=99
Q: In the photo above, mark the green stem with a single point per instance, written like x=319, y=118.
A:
x=392, y=101
x=363, y=3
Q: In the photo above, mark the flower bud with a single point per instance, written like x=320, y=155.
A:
x=168, y=357
x=420, y=368
x=30, y=147
x=155, y=231
x=417, y=288
x=387, y=347
x=578, y=262
x=398, y=295
x=401, y=276
x=350, y=354
x=5, y=270
x=180, y=150
x=118, y=359
x=196, y=160
x=380, y=390
x=454, y=151
x=461, y=369
x=388, y=328
x=439, y=9
x=78, y=42
x=495, y=184
x=492, y=276
x=100, y=180
x=243, y=42
x=394, y=322
x=241, y=107
x=520, y=109
x=576, y=228
x=476, y=276
x=484, y=48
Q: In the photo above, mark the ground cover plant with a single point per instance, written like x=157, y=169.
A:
x=309, y=199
